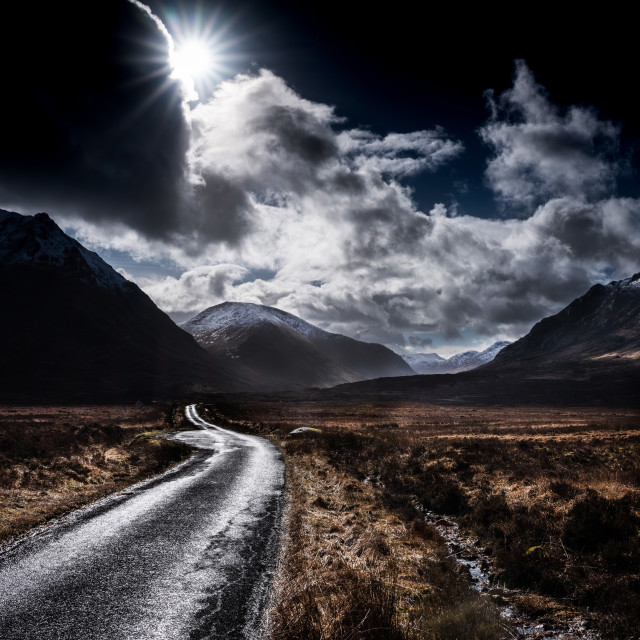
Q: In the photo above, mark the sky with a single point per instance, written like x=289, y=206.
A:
x=432, y=183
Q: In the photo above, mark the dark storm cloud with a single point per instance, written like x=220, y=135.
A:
x=419, y=342
x=220, y=209
x=91, y=123
x=297, y=134
x=385, y=229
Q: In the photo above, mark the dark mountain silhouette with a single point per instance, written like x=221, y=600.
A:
x=72, y=328
x=587, y=354
x=599, y=330
x=275, y=350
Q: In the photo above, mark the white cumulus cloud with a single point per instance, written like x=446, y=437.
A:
x=291, y=209
x=541, y=151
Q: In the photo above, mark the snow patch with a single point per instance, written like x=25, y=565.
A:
x=217, y=321
x=427, y=364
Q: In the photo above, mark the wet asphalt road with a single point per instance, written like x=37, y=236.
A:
x=188, y=555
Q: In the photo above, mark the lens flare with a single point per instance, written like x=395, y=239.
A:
x=192, y=60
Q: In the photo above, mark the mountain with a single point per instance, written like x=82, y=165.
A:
x=599, y=330
x=274, y=350
x=422, y=362
x=429, y=363
x=72, y=328
x=587, y=354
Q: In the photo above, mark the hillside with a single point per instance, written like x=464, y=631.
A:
x=274, y=350
x=72, y=328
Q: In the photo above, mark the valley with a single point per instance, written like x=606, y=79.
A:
x=523, y=467
x=319, y=321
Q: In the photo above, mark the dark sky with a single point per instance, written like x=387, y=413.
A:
x=407, y=67
x=366, y=181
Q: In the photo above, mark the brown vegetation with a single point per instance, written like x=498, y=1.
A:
x=552, y=496
x=54, y=459
x=359, y=565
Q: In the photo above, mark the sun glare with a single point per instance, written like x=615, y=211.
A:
x=192, y=60
x=201, y=50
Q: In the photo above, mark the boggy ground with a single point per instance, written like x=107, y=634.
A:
x=552, y=496
x=54, y=459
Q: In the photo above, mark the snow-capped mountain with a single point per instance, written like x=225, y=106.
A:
x=71, y=327
x=421, y=362
x=428, y=363
x=215, y=323
x=275, y=350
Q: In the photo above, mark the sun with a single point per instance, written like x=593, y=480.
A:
x=200, y=51
x=192, y=60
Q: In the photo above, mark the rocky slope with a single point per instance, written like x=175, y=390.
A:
x=72, y=328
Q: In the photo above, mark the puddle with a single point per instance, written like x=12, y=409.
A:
x=466, y=553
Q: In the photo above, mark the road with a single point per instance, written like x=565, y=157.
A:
x=187, y=555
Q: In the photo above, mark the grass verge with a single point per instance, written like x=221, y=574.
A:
x=55, y=459
x=359, y=562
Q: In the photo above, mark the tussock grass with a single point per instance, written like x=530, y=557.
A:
x=359, y=562
x=54, y=459
x=476, y=618
x=553, y=496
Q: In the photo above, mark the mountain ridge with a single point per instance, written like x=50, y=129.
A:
x=588, y=354
x=75, y=329
x=426, y=364
x=37, y=240
x=277, y=350
x=603, y=323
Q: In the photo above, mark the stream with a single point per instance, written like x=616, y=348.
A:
x=466, y=553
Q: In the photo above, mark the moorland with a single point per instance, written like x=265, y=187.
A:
x=548, y=496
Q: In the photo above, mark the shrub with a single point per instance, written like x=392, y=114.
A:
x=472, y=620
x=595, y=521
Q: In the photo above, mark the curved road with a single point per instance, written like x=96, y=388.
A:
x=187, y=555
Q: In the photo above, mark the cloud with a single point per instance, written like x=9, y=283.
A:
x=493, y=277
x=419, y=342
x=296, y=211
x=260, y=195
x=207, y=282
x=398, y=154
x=542, y=152
x=259, y=138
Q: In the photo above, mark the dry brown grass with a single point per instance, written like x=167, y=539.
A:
x=54, y=459
x=360, y=562
x=553, y=496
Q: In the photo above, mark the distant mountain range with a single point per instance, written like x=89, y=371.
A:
x=72, y=328
x=430, y=363
x=274, y=350
x=587, y=354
